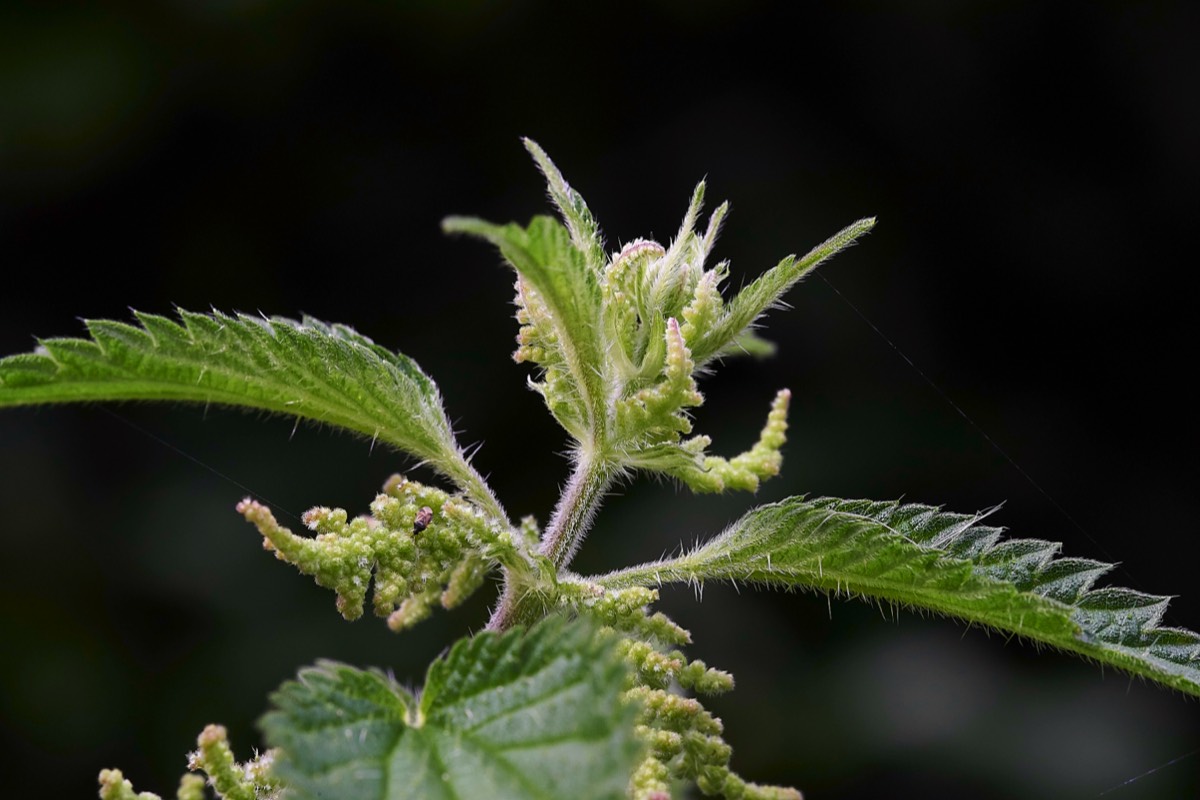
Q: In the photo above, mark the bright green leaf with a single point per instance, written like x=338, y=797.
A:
x=923, y=557
x=308, y=369
x=767, y=289
x=543, y=255
x=585, y=233
x=514, y=716
x=748, y=343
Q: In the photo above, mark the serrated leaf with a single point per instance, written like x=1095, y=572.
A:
x=585, y=233
x=921, y=556
x=543, y=254
x=520, y=715
x=308, y=369
x=767, y=289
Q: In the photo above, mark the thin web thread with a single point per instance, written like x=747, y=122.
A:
x=197, y=461
x=1023, y=474
x=1017, y=467
x=1058, y=506
x=1149, y=772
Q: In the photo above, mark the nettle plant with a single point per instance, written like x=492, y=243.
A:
x=577, y=688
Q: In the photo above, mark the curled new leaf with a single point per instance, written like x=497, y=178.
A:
x=619, y=339
x=558, y=294
x=585, y=233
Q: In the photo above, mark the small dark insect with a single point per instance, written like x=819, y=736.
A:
x=423, y=518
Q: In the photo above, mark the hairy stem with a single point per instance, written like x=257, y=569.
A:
x=504, y=616
x=568, y=526
x=573, y=516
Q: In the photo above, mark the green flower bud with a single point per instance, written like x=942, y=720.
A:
x=191, y=787
x=215, y=758
x=113, y=786
x=650, y=781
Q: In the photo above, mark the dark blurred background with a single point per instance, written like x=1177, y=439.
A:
x=1033, y=167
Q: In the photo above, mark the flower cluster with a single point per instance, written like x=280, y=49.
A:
x=683, y=739
x=419, y=545
x=659, y=317
x=230, y=780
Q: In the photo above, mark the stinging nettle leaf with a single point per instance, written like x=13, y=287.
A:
x=923, y=557
x=767, y=289
x=543, y=254
x=521, y=715
x=585, y=232
x=308, y=369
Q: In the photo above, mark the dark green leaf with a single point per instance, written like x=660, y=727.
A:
x=953, y=564
x=513, y=716
x=308, y=369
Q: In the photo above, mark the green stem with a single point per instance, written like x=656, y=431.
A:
x=569, y=525
x=653, y=573
x=573, y=516
x=504, y=616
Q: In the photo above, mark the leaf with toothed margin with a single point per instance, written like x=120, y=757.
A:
x=307, y=369
x=921, y=556
x=521, y=716
x=544, y=255
x=585, y=232
x=768, y=289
